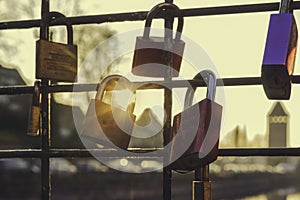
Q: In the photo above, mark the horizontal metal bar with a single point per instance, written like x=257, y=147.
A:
x=12, y=90
x=245, y=152
x=141, y=15
x=243, y=81
x=84, y=153
x=71, y=88
x=67, y=153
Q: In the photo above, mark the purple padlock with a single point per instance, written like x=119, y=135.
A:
x=279, y=55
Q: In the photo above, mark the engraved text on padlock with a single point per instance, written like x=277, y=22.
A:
x=56, y=61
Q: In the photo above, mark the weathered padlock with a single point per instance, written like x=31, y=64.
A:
x=107, y=125
x=150, y=51
x=203, y=148
x=280, y=52
x=56, y=61
x=34, y=113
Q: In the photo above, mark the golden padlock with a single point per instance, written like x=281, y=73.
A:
x=105, y=125
x=150, y=56
x=56, y=61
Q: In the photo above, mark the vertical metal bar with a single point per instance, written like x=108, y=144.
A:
x=202, y=174
x=44, y=30
x=285, y=6
x=167, y=173
x=45, y=136
x=201, y=188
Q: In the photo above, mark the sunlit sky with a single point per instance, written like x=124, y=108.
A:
x=234, y=42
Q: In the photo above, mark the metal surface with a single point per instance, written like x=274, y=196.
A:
x=86, y=153
x=155, y=11
x=285, y=6
x=279, y=56
x=167, y=173
x=136, y=16
x=149, y=54
x=45, y=132
x=210, y=115
x=114, y=132
x=56, y=61
x=202, y=174
x=246, y=81
x=34, y=113
x=169, y=1
x=210, y=81
x=201, y=186
x=201, y=190
x=46, y=152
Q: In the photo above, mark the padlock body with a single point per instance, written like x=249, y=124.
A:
x=279, y=56
x=150, y=58
x=56, y=61
x=203, y=149
x=34, y=121
x=101, y=127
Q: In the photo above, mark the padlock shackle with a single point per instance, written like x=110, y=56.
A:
x=209, y=78
x=36, y=93
x=49, y=17
x=107, y=80
x=285, y=6
x=156, y=10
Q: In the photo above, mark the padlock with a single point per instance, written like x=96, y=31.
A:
x=279, y=55
x=107, y=125
x=56, y=61
x=150, y=56
x=203, y=148
x=34, y=112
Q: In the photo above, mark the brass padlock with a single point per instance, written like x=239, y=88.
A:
x=107, y=125
x=204, y=145
x=280, y=53
x=150, y=55
x=34, y=112
x=56, y=61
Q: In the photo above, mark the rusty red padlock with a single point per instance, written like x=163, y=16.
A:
x=150, y=55
x=203, y=148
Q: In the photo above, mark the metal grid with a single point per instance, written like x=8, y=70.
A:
x=46, y=152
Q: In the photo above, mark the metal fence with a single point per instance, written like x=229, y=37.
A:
x=46, y=152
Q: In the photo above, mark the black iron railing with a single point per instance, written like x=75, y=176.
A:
x=46, y=152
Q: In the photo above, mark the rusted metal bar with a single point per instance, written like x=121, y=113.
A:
x=168, y=1
x=243, y=81
x=14, y=90
x=201, y=186
x=83, y=153
x=241, y=152
x=201, y=190
x=167, y=173
x=70, y=153
x=45, y=109
x=136, y=16
x=247, y=152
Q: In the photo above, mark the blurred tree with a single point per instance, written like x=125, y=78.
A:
x=87, y=37
x=13, y=10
